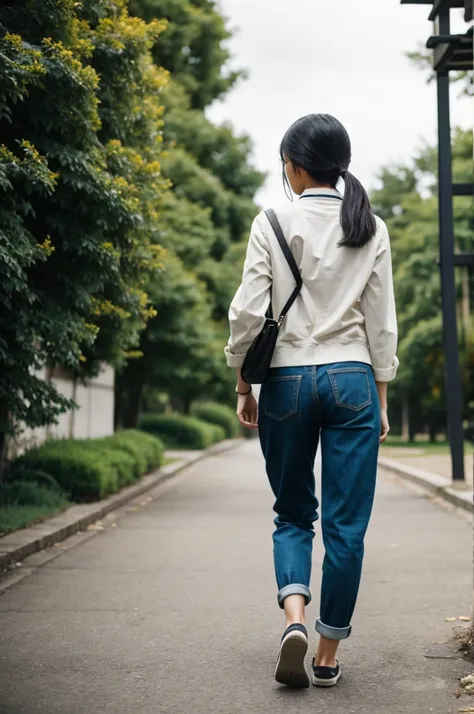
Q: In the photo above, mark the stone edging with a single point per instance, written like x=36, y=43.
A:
x=433, y=483
x=18, y=545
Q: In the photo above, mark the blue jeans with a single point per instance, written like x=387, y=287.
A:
x=337, y=403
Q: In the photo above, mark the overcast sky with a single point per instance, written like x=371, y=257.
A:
x=343, y=57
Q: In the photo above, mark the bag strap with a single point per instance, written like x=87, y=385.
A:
x=271, y=215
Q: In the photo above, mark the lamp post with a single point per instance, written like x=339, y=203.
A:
x=450, y=53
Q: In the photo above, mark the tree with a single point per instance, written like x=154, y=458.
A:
x=204, y=219
x=175, y=351
x=193, y=50
x=406, y=199
x=423, y=60
x=79, y=186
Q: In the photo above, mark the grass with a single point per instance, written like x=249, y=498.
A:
x=422, y=442
x=14, y=517
x=168, y=460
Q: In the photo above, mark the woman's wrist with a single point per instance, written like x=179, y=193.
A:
x=382, y=392
x=242, y=385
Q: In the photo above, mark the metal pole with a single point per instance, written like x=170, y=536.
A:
x=454, y=399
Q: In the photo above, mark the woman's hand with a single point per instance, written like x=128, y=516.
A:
x=247, y=410
x=384, y=425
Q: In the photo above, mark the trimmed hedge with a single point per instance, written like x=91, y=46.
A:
x=182, y=431
x=219, y=414
x=89, y=469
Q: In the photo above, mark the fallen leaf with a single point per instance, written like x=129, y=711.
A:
x=450, y=619
x=464, y=618
x=113, y=525
x=469, y=709
x=95, y=527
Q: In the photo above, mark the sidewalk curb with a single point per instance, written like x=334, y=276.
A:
x=433, y=483
x=17, y=546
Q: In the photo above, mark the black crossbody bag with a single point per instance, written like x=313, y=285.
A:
x=259, y=356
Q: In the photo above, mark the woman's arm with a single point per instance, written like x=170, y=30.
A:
x=384, y=423
x=378, y=302
x=251, y=301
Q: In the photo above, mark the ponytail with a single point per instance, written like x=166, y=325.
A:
x=320, y=145
x=357, y=220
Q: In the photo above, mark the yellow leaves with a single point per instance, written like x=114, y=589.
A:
x=134, y=354
x=82, y=358
x=46, y=246
x=131, y=30
x=13, y=40
x=92, y=329
x=56, y=50
x=105, y=308
x=7, y=156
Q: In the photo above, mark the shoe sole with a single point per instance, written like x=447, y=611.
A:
x=317, y=682
x=290, y=668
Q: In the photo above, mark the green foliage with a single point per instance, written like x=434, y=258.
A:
x=30, y=493
x=182, y=431
x=146, y=449
x=423, y=60
x=80, y=191
x=92, y=468
x=218, y=414
x=193, y=48
x=204, y=220
x=407, y=201
x=81, y=472
x=26, y=502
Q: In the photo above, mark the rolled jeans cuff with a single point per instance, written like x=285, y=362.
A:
x=333, y=633
x=294, y=589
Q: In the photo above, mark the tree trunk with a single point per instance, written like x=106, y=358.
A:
x=4, y=438
x=187, y=401
x=405, y=421
x=433, y=430
x=133, y=399
x=466, y=306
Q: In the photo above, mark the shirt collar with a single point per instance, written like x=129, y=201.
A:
x=321, y=191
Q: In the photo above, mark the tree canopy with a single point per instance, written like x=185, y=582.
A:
x=80, y=189
x=407, y=201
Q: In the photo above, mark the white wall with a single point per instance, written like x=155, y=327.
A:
x=94, y=416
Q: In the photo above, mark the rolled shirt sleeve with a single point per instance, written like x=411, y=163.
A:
x=378, y=302
x=251, y=301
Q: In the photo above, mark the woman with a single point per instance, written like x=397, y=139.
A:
x=327, y=383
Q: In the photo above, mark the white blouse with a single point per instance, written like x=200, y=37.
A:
x=346, y=309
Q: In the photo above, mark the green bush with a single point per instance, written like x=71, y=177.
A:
x=145, y=448
x=88, y=469
x=182, y=431
x=219, y=414
x=80, y=471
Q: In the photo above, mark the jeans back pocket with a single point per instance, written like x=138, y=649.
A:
x=351, y=387
x=280, y=396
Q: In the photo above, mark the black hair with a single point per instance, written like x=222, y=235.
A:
x=319, y=144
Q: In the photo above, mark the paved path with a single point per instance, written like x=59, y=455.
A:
x=174, y=609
